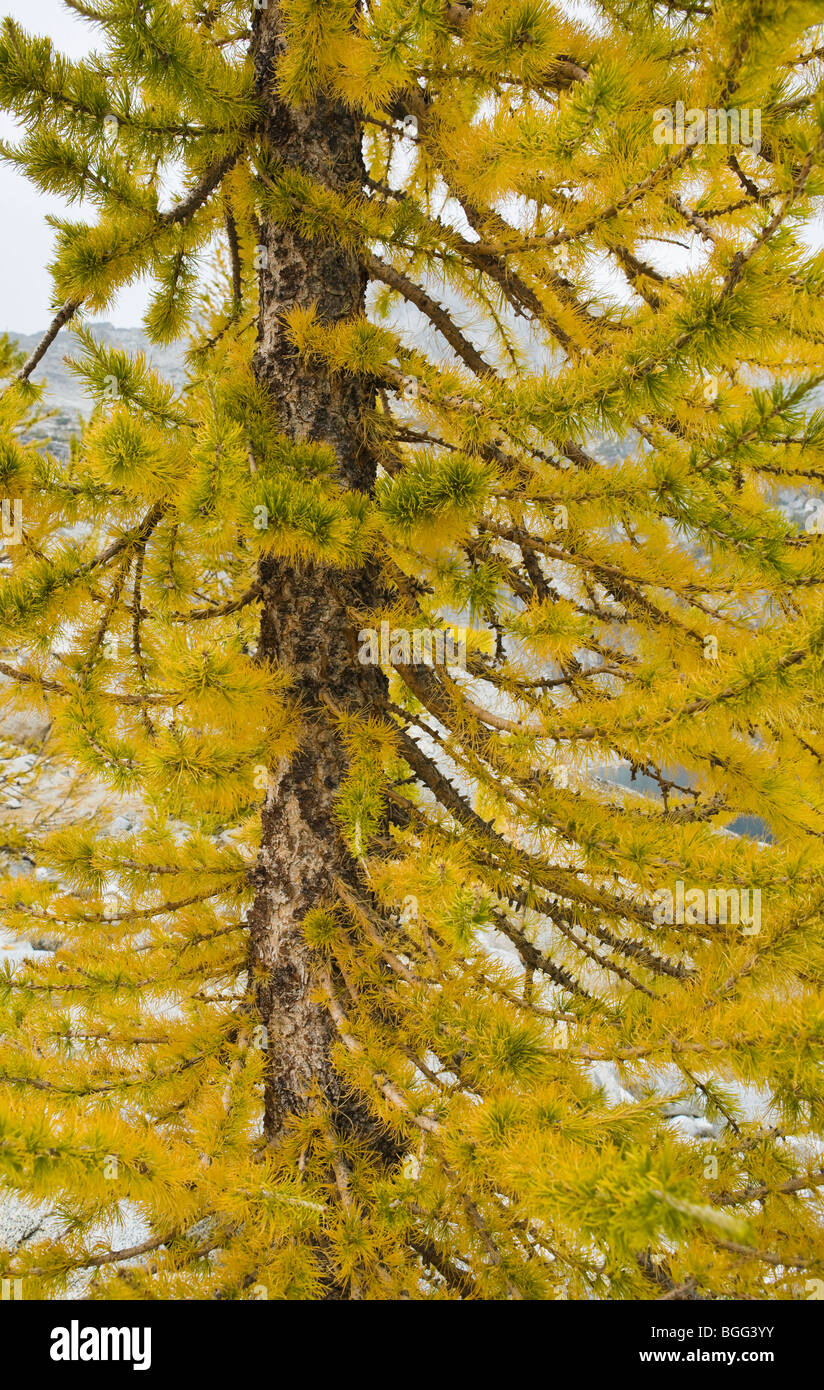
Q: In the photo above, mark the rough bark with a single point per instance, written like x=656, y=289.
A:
x=305, y=627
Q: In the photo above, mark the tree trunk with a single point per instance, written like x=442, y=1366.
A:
x=305, y=627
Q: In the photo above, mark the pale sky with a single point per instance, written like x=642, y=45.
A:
x=25, y=237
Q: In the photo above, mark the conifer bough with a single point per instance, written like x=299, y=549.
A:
x=468, y=345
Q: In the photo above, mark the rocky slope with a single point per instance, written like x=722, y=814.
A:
x=64, y=389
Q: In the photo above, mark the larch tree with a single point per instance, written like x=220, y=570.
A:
x=505, y=328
